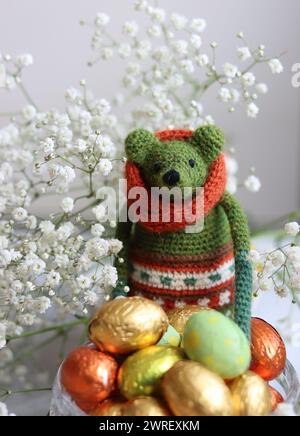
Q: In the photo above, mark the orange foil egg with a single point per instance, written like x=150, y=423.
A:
x=277, y=398
x=268, y=350
x=89, y=376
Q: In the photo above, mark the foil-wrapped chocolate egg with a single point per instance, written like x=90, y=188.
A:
x=268, y=350
x=89, y=376
x=142, y=372
x=128, y=324
x=276, y=397
x=179, y=317
x=251, y=396
x=192, y=390
x=112, y=407
x=146, y=406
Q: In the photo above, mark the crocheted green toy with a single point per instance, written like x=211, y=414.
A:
x=165, y=263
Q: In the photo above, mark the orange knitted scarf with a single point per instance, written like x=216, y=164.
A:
x=214, y=189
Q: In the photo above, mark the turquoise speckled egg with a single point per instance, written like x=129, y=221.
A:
x=171, y=338
x=217, y=343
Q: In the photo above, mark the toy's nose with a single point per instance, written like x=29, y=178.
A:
x=171, y=178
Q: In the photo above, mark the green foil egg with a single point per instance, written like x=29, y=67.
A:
x=216, y=342
x=171, y=338
x=142, y=372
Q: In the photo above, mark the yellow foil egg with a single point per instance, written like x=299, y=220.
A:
x=109, y=408
x=146, y=406
x=251, y=396
x=141, y=373
x=179, y=317
x=192, y=390
x=128, y=324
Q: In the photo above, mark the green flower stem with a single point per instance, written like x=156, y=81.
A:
x=60, y=327
x=27, y=95
x=8, y=393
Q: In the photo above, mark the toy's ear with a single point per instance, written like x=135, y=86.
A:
x=138, y=144
x=210, y=142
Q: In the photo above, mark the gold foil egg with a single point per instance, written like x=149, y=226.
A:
x=146, y=406
x=179, y=317
x=141, y=373
x=113, y=407
x=128, y=324
x=192, y=390
x=251, y=396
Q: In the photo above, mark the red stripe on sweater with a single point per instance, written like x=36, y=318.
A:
x=185, y=293
x=184, y=268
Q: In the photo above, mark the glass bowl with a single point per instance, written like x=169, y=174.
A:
x=287, y=384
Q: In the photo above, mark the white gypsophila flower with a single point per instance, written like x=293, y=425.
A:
x=252, y=110
x=84, y=282
x=248, y=79
x=232, y=185
x=97, y=248
x=91, y=298
x=140, y=5
x=47, y=227
x=105, y=167
x=295, y=282
x=97, y=230
x=292, y=229
x=100, y=212
x=131, y=28
x=124, y=50
x=2, y=335
x=277, y=258
x=254, y=256
x=293, y=253
x=115, y=246
x=31, y=222
x=196, y=41
x=198, y=25
x=48, y=146
x=232, y=165
x=24, y=60
x=252, y=183
x=276, y=66
x=157, y=14
x=109, y=276
x=230, y=70
x=154, y=31
x=29, y=112
x=244, y=53
x=262, y=88
x=19, y=214
x=53, y=279
x=102, y=20
x=187, y=66
x=81, y=145
x=106, y=53
x=178, y=21
x=225, y=95
x=266, y=284
x=181, y=47
x=67, y=204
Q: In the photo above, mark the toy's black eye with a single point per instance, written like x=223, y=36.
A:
x=192, y=163
x=157, y=167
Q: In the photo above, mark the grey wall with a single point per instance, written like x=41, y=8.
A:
x=50, y=31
